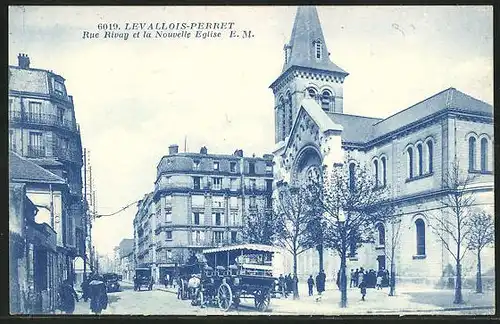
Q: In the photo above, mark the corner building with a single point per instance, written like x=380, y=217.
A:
x=44, y=131
x=409, y=152
x=200, y=201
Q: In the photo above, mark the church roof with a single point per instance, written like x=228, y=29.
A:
x=306, y=30
x=22, y=170
x=358, y=129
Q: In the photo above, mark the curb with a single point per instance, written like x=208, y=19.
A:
x=432, y=310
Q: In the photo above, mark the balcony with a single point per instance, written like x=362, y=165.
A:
x=35, y=151
x=67, y=154
x=42, y=119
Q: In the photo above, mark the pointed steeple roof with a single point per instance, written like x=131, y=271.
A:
x=302, y=51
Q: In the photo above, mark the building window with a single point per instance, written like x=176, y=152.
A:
x=232, y=166
x=35, y=111
x=197, y=237
x=352, y=176
x=216, y=183
x=216, y=166
x=269, y=168
x=253, y=201
x=430, y=155
x=311, y=92
x=218, y=236
x=168, y=235
x=253, y=184
x=251, y=167
x=420, y=160
x=282, y=117
x=234, y=236
x=269, y=201
x=410, y=162
x=196, y=218
x=232, y=184
x=319, y=48
x=35, y=145
x=169, y=254
x=269, y=185
x=168, y=216
x=420, y=227
x=196, y=165
x=484, y=154
x=384, y=171
x=381, y=234
x=197, y=183
x=217, y=219
x=58, y=87
x=375, y=172
x=234, y=215
x=60, y=115
x=290, y=112
x=326, y=99
x=472, y=153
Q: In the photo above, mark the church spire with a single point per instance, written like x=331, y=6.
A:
x=307, y=47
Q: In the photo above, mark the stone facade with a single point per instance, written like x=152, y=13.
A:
x=409, y=152
x=199, y=201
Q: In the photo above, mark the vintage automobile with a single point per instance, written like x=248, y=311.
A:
x=233, y=273
x=143, y=278
x=111, y=282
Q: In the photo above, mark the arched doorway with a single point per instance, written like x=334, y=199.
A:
x=307, y=164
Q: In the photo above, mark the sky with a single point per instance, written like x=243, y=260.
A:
x=133, y=98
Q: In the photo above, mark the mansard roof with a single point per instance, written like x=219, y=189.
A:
x=306, y=31
x=358, y=129
x=22, y=170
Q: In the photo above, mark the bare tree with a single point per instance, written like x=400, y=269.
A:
x=292, y=216
x=351, y=204
x=482, y=234
x=259, y=226
x=390, y=251
x=452, y=225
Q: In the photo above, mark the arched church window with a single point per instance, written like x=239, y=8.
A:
x=410, y=162
x=430, y=153
x=290, y=111
x=472, y=153
x=375, y=172
x=326, y=98
x=319, y=49
x=352, y=176
x=484, y=154
x=420, y=159
x=384, y=170
x=381, y=234
x=311, y=92
x=420, y=229
x=282, y=117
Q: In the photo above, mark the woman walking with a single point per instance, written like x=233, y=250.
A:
x=98, y=295
x=68, y=296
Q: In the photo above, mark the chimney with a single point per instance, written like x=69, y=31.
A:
x=173, y=149
x=23, y=61
x=203, y=150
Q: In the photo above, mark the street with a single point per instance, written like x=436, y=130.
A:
x=161, y=301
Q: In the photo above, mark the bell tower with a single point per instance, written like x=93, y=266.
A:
x=307, y=72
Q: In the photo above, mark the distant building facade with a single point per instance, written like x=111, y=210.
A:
x=200, y=200
x=409, y=152
x=126, y=259
x=43, y=130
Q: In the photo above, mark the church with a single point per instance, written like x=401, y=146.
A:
x=409, y=152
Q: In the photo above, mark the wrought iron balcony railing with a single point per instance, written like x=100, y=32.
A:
x=42, y=119
x=36, y=151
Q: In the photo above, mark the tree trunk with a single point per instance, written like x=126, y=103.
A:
x=295, y=286
x=392, y=278
x=458, y=284
x=343, y=281
x=479, y=280
x=320, y=255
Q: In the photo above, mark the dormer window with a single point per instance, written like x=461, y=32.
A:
x=319, y=49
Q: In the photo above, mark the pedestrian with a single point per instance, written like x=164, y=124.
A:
x=351, y=282
x=310, y=284
x=323, y=279
x=362, y=287
x=361, y=275
x=98, y=295
x=281, y=283
x=166, y=280
x=67, y=297
x=320, y=282
x=379, y=281
x=85, y=288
